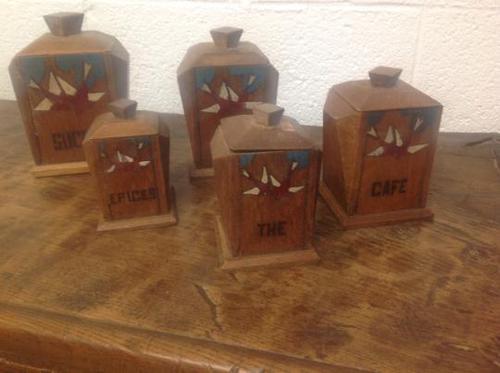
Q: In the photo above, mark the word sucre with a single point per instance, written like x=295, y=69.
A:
x=388, y=187
x=133, y=196
x=67, y=140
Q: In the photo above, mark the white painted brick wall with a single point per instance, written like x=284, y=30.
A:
x=450, y=49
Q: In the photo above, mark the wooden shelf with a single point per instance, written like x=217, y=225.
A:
x=414, y=297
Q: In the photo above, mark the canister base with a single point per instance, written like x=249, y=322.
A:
x=200, y=173
x=163, y=220
x=59, y=169
x=230, y=263
x=371, y=220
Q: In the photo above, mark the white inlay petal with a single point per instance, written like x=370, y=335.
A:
x=251, y=79
x=254, y=191
x=372, y=132
x=33, y=85
x=53, y=86
x=275, y=182
x=212, y=109
x=223, y=93
x=415, y=148
x=67, y=88
x=295, y=189
x=399, y=141
x=206, y=88
x=264, y=178
x=123, y=158
x=111, y=169
x=418, y=123
x=377, y=152
x=86, y=70
x=389, y=137
x=44, y=105
x=140, y=146
x=144, y=163
x=95, y=96
x=233, y=95
x=245, y=173
x=294, y=165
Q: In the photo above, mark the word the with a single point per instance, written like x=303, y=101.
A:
x=67, y=140
x=388, y=187
x=276, y=228
x=133, y=196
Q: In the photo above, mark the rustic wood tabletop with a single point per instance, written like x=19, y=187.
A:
x=415, y=297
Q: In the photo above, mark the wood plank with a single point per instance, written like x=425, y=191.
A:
x=60, y=169
x=49, y=342
x=415, y=297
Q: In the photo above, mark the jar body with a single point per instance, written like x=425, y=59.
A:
x=225, y=91
x=130, y=176
x=268, y=200
x=377, y=164
x=217, y=83
x=129, y=160
x=59, y=94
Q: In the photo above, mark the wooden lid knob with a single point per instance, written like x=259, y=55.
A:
x=123, y=108
x=268, y=114
x=383, y=76
x=64, y=23
x=226, y=37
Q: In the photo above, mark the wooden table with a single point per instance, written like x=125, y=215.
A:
x=416, y=297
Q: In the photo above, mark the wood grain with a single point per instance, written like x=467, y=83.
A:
x=62, y=81
x=378, y=159
x=267, y=177
x=416, y=297
x=128, y=154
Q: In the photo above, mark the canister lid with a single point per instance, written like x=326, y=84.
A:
x=226, y=37
x=225, y=50
x=64, y=23
x=265, y=130
x=123, y=108
x=124, y=121
x=66, y=37
x=383, y=91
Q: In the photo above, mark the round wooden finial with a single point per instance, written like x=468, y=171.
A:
x=123, y=108
x=64, y=23
x=226, y=37
x=268, y=114
x=383, y=76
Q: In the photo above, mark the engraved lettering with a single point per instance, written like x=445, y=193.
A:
x=58, y=141
x=402, y=186
x=133, y=196
x=388, y=187
x=276, y=228
x=67, y=140
x=261, y=229
x=376, y=189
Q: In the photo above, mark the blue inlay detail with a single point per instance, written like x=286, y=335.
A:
x=33, y=68
x=246, y=159
x=245, y=72
x=145, y=140
x=76, y=63
x=204, y=75
x=299, y=156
